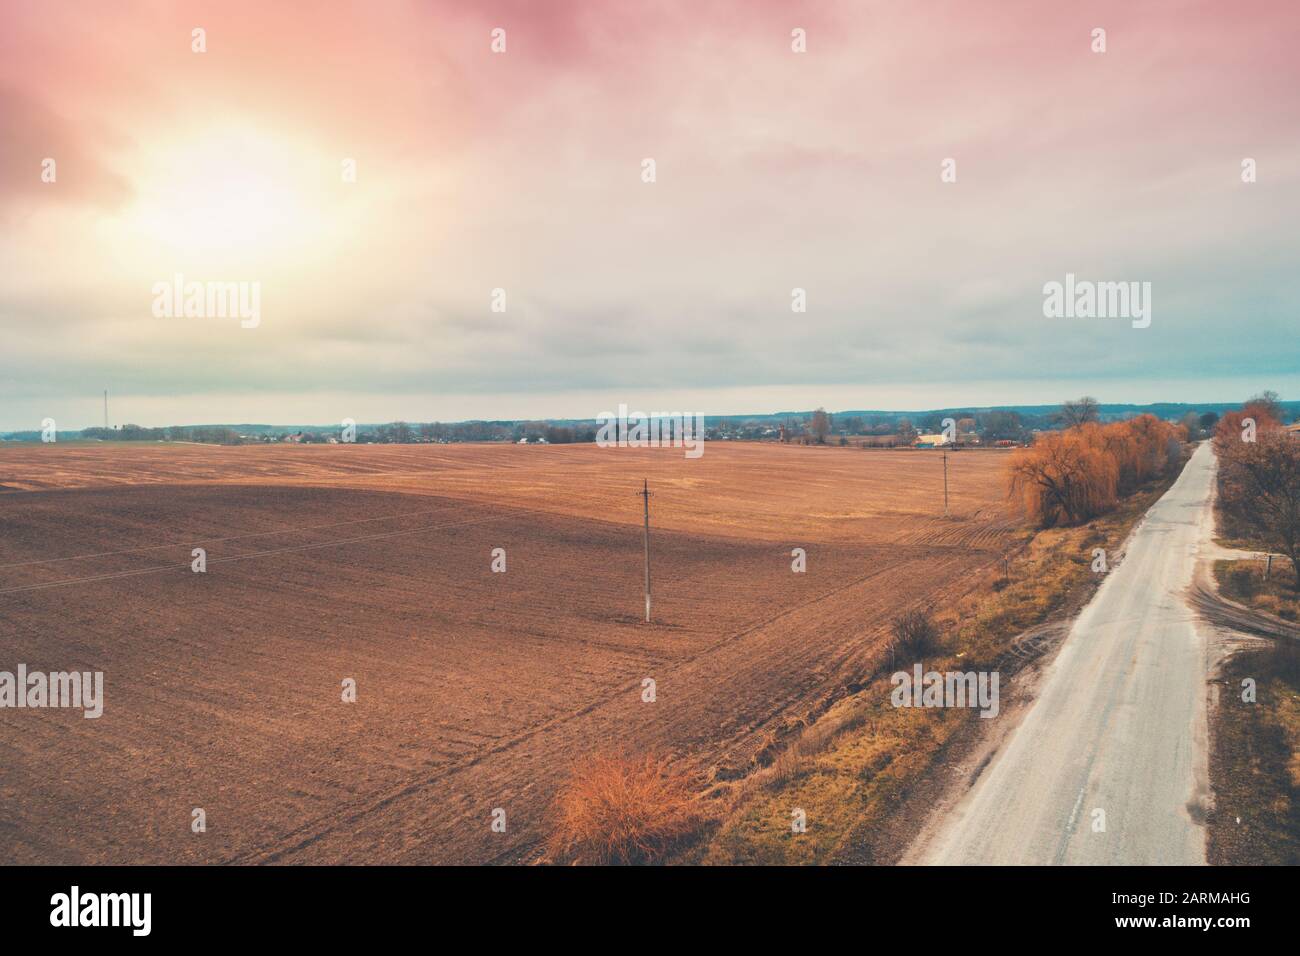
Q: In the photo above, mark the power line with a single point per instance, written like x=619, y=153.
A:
x=945, y=482
x=645, y=495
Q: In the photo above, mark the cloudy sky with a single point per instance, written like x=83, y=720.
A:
x=522, y=171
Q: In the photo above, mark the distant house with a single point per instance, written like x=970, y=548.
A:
x=931, y=441
x=1293, y=429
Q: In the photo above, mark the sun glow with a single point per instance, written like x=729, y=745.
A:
x=224, y=191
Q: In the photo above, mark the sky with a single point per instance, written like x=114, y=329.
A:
x=523, y=171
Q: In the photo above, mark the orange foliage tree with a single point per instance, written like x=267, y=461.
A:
x=1068, y=477
x=1231, y=430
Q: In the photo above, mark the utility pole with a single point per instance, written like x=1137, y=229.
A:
x=645, y=496
x=105, y=408
x=945, y=482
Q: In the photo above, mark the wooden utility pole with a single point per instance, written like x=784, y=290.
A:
x=945, y=482
x=106, y=408
x=645, y=496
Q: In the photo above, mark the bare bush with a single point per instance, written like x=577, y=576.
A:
x=915, y=637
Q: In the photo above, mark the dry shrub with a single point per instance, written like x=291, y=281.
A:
x=915, y=637
x=622, y=810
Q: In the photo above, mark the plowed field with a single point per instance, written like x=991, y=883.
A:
x=475, y=690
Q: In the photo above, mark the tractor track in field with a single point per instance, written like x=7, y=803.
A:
x=312, y=831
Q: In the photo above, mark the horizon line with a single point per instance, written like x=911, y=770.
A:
x=1295, y=403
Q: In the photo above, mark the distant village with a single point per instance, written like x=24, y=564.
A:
x=954, y=429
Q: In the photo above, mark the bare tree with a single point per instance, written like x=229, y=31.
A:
x=1268, y=401
x=1079, y=412
x=999, y=426
x=1263, y=483
x=820, y=426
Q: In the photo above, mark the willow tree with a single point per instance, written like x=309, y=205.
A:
x=1064, y=478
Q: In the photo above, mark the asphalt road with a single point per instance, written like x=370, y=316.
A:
x=1119, y=726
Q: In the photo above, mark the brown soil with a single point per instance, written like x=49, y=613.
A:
x=475, y=690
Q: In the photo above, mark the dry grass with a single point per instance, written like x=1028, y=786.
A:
x=1255, y=761
x=618, y=810
x=1255, y=748
x=1244, y=582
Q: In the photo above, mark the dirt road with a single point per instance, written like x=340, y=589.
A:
x=1109, y=765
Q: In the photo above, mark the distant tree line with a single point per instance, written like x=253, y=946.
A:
x=211, y=434
x=819, y=427
x=405, y=433
x=398, y=433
